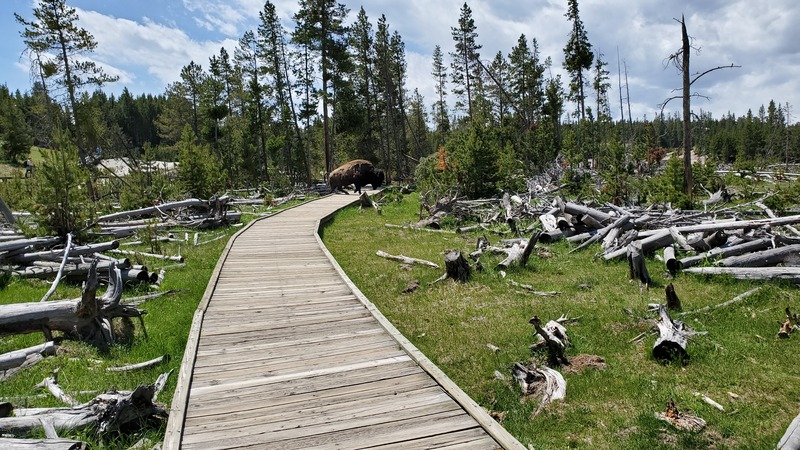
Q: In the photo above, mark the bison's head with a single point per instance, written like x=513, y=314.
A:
x=379, y=179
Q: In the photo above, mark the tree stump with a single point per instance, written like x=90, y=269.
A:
x=672, y=339
x=636, y=264
x=456, y=267
x=673, y=302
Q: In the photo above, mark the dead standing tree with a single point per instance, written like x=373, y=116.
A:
x=680, y=60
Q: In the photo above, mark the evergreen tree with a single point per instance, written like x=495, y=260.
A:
x=441, y=119
x=577, y=57
x=466, y=63
x=526, y=80
x=601, y=85
x=320, y=26
x=362, y=50
x=61, y=49
x=15, y=133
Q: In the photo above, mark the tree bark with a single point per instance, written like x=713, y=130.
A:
x=41, y=444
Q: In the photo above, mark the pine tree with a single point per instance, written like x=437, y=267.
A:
x=60, y=48
x=526, y=83
x=578, y=57
x=320, y=26
x=601, y=85
x=466, y=63
x=441, y=119
x=15, y=134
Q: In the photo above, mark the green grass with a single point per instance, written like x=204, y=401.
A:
x=613, y=408
x=82, y=367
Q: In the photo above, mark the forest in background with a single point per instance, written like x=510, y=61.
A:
x=291, y=104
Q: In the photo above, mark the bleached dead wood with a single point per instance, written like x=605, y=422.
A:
x=722, y=252
x=761, y=258
x=736, y=299
x=791, y=437
x=542, y=383
x=17, y=244
x=51, y=385
x=661, y=238
x=603, y=232
x=107, y=413
x=142, y=365
x=153, y=210
x=406, y=259
x=56, y=255
x=533, y=290
x=408, y=227
x=54, y=285
x=576, y=209
x=673, y=265
x=555, y=338
x=17, y=358
x=149, y=255
x=770, y=213
x=41, y=444
x=751, y=273
x=89, y=317
x=672, y=339
x=637, y=267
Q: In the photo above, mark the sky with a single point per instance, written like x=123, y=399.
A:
x=147, y=42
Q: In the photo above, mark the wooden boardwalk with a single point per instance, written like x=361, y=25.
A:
x=284, y=352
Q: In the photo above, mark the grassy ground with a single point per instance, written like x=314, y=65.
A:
x=739, y=362
x=82, y=367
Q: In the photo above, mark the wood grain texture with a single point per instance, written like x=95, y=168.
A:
x=284, y=354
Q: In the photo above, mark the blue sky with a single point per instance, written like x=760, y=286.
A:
x=147, y=42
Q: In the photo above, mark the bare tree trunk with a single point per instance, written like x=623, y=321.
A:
x=688, y=181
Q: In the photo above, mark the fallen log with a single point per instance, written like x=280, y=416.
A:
x=406, y=259
x=107, y=412
x=738, y=298
x=88, y=318
x=57, y=255
x=142, y=365
x=10, y=246
x=152, y=210
x=791, y=438
x=751, y=273
x=17, y=358
x=51, y=385
x=576, y=209
x=149, y=255
x=660, y=238
x=603, y=232
x=673, y=265
x=722, y=252
x=517, y=253
x=673, y=302
x=41, y=444
x=672, y=339
x=761, y=258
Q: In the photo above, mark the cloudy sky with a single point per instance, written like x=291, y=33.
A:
x=146, y=42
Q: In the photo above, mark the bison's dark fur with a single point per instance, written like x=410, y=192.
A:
x=358, y=172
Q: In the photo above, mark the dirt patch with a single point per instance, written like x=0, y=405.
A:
x=582, y=362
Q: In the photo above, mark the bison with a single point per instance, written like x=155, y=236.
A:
x=358, y=172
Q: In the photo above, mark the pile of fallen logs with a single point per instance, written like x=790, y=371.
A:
x=749, y=248
x=190, y=213
x=47, y=257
